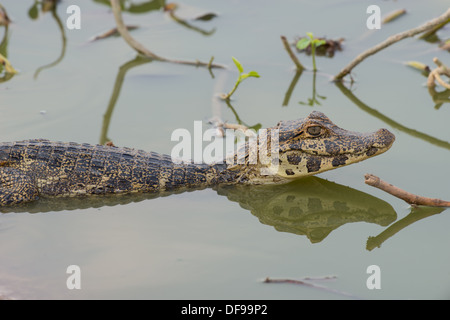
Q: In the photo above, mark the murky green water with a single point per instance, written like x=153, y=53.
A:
x=220, y=244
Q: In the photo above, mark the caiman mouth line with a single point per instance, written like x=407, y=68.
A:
x=369, y=152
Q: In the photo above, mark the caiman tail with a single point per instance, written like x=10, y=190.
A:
x=33, y=168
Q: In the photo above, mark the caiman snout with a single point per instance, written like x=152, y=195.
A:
x=383, y=139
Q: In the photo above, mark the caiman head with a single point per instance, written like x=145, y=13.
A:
x=315, y=144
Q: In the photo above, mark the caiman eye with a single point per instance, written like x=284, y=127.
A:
x=314, y=130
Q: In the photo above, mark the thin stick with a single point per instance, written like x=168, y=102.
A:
x=393, y=15
x=308, y=284
x=410, y=198
x=142, y=49
x=297, y=63
x=391, y=40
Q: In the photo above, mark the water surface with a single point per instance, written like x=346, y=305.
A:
x=221, y=244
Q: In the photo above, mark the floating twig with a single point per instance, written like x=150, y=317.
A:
x=391, y=40
x=393, y=15
x=221, y=126
x=291, y=54
x=115, y=5
x=419, y=66
x=234, y=126
x=410, y=198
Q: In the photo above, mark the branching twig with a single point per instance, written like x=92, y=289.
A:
x=142, y=49
x=435, y=75
x=410, y=198
x=391, y=40
x=291, y=54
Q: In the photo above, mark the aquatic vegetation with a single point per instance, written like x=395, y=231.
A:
x=313, y=43
x=327, y=49
x=242, y=77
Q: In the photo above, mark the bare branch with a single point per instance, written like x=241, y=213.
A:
x=393, y=39
x=141, y=49
x=410, y=198
x=297, y=63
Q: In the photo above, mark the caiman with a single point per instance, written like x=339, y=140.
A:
x=40, y=168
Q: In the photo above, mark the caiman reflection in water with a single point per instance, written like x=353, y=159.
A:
x=313, y=207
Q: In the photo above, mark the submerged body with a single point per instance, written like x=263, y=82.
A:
x=33, y=168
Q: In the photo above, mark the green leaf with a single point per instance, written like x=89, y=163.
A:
x=310, y=35
x=303, y=43
x=318, y=43
x=253, y=74
x=256, y=127
x=238, y=65
x=250, y=74
x=34, y=11
x=206, y=17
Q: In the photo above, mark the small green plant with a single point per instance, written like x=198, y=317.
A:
x=242, y=77
x=310, y=40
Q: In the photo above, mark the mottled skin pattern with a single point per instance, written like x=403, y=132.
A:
x=315, y=144
x=33, y=168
